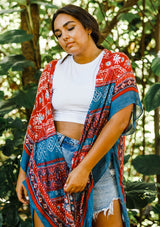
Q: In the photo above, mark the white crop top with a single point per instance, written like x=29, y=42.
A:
x=73, y=89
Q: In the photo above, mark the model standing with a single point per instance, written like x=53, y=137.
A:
x=72, y=163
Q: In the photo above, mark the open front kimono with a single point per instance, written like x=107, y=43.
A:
x=43, y=160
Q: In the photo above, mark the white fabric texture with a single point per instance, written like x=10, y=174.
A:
x=73, y=88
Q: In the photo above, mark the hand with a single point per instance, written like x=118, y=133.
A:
x=76, y=180
x=20, y=189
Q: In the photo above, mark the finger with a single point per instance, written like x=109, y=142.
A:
x=26, y=195
x=68, y=180
x=66, y=185
x=80, y=189
x=67, y=188
x=21, y=196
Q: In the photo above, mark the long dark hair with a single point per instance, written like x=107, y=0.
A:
x=86, y=19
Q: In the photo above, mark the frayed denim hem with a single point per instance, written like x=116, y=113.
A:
x=107, y=211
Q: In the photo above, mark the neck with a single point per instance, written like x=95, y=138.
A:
x=87, y=56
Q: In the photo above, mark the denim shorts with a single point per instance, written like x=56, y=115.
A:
x=105, y=190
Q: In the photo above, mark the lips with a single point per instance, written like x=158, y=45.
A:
x=69, y=44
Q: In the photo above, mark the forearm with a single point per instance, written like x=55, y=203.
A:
x=22, y=172
x=107, y=138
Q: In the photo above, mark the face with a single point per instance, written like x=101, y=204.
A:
x=71, y=34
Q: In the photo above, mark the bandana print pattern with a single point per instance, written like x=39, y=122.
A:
x=46, y=169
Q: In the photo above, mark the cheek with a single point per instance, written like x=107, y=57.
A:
x=61, y=43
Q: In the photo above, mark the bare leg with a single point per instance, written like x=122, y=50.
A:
x=37, y=221
x=111, y=220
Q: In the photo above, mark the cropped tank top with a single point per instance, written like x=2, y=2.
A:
x=73, y=88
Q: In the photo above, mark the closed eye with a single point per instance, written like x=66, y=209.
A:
x=70, y=29
x=58, y=35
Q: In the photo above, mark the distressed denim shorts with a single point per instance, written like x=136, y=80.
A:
x=105, y=190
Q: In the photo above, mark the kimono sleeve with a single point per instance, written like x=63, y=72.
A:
x=29, y=139
x=32, y=131
x=125, y=92
x=28, y=145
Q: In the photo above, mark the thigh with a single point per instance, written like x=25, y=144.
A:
x=110, y=219
x=104, y=191
x=37, y=221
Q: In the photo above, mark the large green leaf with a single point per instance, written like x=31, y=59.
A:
x=139, y=194
x=127, y=16
x=22, y=98
x=21, y=65
x=1, y=219
x=46, y=4
x=6, y=11
x=15, y=36
x=1, y=95
x=17, y=126
x=11, y=215
x=147, y=164
x=152, y=98
x=21, y=2
x=126, y=158
x=156, y=66
x=27, y=223
x=8, y=148
x=16, y=62
x=6, y=106
x=156, y=209
x=26, y=97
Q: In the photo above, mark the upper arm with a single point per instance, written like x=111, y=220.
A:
x=122, y=118
x=125, y=99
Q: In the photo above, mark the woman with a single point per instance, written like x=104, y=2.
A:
x=72, y=163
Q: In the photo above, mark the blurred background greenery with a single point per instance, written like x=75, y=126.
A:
x=27, y=45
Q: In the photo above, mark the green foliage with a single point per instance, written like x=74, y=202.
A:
x=126, y=158
x=139, y=194
x=15, y=36
x=144, y=164
x=21, y=2
x=128, y=17
x=11, y=217
x=8, y=175
x=44, y=3
x=156, y=208
x=22, y=98
x=14, y=62
x=6, y=11
x=1, y=95
x=156, y=66
x=152, y=98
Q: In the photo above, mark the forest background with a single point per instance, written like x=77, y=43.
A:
x=27, y=45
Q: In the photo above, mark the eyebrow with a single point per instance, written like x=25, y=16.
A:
x=68, y=22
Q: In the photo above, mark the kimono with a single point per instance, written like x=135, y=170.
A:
x=43, y=161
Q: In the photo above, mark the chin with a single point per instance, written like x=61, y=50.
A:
x=73, y=51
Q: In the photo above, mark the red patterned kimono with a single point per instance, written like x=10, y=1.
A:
x=42, y=158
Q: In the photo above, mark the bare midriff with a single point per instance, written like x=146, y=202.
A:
x=70, y=129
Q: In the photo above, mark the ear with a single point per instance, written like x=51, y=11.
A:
x=89, y=31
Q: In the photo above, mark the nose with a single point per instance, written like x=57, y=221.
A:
x=65, y=35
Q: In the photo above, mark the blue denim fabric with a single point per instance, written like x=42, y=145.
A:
x=105, y=190
x=68, y=147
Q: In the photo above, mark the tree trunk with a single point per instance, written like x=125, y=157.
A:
x=30, y=49
x=157, y=111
